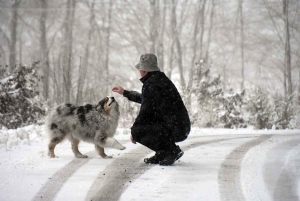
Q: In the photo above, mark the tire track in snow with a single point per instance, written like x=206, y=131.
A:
x=113, y=181
x=50, y=189
x=287, y=184
x=55, y=182
x=229, y=174
x=286, y=188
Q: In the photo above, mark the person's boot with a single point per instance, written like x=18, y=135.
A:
x=159, y=155
x=171, y=156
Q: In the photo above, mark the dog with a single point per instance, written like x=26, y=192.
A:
x=96, y=124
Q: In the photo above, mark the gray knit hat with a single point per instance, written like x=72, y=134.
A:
x=148, y=63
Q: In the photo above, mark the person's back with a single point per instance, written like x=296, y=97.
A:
x=163, y=118
x=169, y=106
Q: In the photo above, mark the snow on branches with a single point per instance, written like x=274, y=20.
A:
x=19, y=97
x=267, y=111
x=215, y=108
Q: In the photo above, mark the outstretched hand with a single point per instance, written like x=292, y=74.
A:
x=118, y=89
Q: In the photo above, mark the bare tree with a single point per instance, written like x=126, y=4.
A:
x=83, y=68
x=287, y=50
x=299, y=89
x=13, y=35
x=178, y=45
x=194, y=53
x=171, y=41
x=68, y=46
x=160, y=43
x=44, y=49
x=197, y=46
x=200, y=53
x=242, y=43
x=107, y=44
x=211, y=18
x=284, y=65
x=153, y=25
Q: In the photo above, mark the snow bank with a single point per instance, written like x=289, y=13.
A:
x=25, y=135
x=20, y=136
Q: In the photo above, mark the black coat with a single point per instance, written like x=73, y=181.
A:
x=161, y=104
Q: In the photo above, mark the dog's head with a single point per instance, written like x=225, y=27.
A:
x=107, y=104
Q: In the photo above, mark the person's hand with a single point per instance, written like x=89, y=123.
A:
x=118, y=89
x=132, y=140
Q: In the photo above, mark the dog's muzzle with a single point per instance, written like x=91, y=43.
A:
x=112, y=100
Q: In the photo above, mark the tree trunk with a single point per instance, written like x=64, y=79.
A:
x=210, y=29
x=13, y=35
x=178, y=47
x=54, y=79
x=3, y=60
x=287, y=48
x=284, y=77
x=107, y=46
x=68, y=48
x=299, y=89
x=59, y=78
x=194, y=50
x=171, y=47
x=20, y=50
x=44, y=49
x=200, y=57
x=83, y=69
x=153, y=25
x=242, y=44
x=224, y=77
x=160, y=48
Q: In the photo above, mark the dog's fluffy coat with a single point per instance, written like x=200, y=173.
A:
x=96, y=124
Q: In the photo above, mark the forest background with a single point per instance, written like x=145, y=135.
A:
x=236, y=63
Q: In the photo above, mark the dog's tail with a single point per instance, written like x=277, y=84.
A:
x=48, y=121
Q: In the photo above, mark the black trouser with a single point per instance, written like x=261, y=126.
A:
x=154, y=136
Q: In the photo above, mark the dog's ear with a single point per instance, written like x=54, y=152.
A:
x=102, y=103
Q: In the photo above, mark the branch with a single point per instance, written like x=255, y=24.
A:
x=268, y=8
x=4, y=36
x=297, y=9
x=28, y=25
x=182, y=19
x=139, y=20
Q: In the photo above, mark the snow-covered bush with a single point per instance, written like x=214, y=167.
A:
x=295, y=120
x=231, y=114
x=270, y=111
x=212, y=107
x=207, y=104
x=284, y=111
x=19, y=98
x=215, y=108
x=260, y=108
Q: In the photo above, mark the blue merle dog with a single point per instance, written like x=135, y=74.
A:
x=96, y=124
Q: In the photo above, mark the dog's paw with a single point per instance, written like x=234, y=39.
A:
x=108, y=156
x=81, y=156
x=53, y=156
x=122, y=148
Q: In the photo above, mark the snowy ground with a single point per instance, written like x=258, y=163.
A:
x=218, y=164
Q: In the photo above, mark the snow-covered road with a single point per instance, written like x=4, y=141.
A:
x=217, y=165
